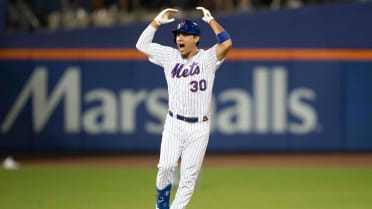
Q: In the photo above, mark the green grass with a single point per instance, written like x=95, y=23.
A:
x=218, y=188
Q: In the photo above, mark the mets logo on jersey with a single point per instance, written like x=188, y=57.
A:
x=180, y=71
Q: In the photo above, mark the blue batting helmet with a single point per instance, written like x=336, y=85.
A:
x=187, y=26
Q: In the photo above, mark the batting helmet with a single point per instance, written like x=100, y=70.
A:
x=187, y=26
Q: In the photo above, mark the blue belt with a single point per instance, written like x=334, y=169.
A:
x=188, y=119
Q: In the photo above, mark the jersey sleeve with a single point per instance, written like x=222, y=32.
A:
x=212, y=60
x=159, y=54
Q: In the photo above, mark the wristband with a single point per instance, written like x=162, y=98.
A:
x=223, y=36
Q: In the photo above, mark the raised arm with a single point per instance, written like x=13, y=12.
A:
x=224, y=42
x=145, y=39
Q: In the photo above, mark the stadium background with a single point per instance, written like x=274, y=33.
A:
x=296, y=80
x=296, y=89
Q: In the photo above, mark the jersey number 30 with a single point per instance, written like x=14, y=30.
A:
x=201, y=85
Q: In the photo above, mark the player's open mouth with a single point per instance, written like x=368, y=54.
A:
x=181, y=47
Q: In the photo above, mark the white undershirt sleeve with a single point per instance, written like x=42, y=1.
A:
x=145, y=39
x=157, y=53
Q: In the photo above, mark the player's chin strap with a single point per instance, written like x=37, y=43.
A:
x=162, y=197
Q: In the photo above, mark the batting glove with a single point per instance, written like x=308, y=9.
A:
x=207, y=17
x=165, y=16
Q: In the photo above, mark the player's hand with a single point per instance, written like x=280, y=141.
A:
x=207, y=17
x=165, y=16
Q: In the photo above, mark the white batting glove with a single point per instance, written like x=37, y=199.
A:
x=207, y=17
x=165, y=16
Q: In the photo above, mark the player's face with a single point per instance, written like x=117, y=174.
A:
x=186, y=44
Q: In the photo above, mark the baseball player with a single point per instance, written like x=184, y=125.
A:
x=189, y=72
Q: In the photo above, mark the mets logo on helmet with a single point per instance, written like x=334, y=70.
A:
x=182, y=23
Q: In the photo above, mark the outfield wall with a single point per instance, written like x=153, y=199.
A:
x=296, y=80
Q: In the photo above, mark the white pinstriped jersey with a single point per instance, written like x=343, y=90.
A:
x=190, y=81
x=190, y=84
